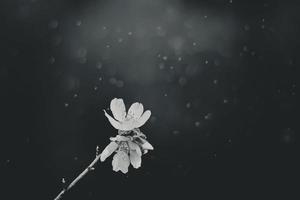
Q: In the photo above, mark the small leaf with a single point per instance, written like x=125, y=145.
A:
x=144, y=143
x=135, y=147
x=145, y=151
x=109, y=149
x=139, y=133
x=135, y=159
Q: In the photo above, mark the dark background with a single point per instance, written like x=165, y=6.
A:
x=219, y=77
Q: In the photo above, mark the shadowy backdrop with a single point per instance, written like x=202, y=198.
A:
x=219, y=77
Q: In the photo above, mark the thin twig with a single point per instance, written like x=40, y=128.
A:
x=80, y=176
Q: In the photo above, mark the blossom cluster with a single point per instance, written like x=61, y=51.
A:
x=129, y=148
x=130, y=143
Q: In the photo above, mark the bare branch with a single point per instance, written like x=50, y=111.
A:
x=80, y=176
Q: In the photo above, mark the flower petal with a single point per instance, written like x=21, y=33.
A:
x=112, y=121
x=142, y=120
x=109, y=149
x=121, y=162
x=135, y=111
x=147, y=145
x=144, y=143
x=128, y=125
x=135, y=147
x=145, y=151
x=118, y=109
x=113, y=139
x=121, y=138
x=135, y=159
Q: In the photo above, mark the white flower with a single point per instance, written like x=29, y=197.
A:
x=129, y=149
x=134, y=118
x=121, y=162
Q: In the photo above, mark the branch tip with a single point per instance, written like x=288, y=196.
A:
x=80, y=176
x=97, y=150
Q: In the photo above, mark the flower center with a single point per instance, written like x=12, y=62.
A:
x=123, y=146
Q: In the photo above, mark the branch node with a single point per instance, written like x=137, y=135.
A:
x=64, y=183
x=91, y=168
x=80, y=176
x=97, y=150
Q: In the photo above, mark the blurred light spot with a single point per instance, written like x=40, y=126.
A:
x=51, y=60
x=99, y=65
x=57, y=40
x=216, y=62
x=208, y=116
x=71, y=83
x=182, y=81
x=113, y=81
x=53, y=24
x=246, y=27
x=81, y=55
x=152, y=119
x=176, y=43
x=288, y=136
x=119, y=84
x=120, y=40
x=161, y=66
x=176, y=132
x=160, y=31
x=191, y=69
x=188, y=105
x=78, y=23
